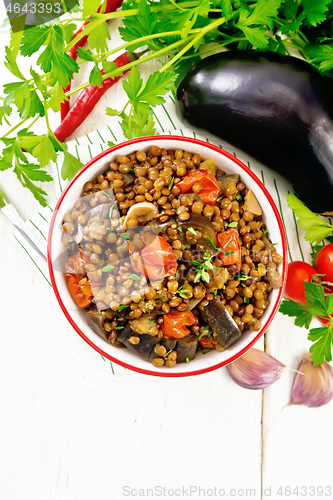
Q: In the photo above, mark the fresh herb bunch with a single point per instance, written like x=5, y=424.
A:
x=316, y=229
x=320, y=305
x=182, y=30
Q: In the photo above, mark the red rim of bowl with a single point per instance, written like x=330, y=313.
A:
x=271, y=202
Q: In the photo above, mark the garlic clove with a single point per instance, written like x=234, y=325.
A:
x=313, y=387
x=255, y=370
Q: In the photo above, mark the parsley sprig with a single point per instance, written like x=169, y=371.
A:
x=316, y=229
x=202, y=268
x=180, y=31
x=317, y=305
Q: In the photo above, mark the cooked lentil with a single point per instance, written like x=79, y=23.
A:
x=96, y=230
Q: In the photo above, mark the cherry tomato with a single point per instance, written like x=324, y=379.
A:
x=209, y=186
x=174, y=324
x=231, y=248
x=206, y=343
x=298, y=273
x=75, y=274
x=157, y=258
x=324, y=262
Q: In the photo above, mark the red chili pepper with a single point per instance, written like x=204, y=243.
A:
x=231, y=247
x=174, y=324
x=111, y=6
x=209, y=190
x=87, y=100
x=157, y=258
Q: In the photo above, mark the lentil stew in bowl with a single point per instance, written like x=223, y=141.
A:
x=169, y=255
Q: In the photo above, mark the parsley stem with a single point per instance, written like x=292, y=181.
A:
x=202, y=33
x=145, y=38
x=216, y=47
x=100, y=18
x=12, y=129
x=137, y=62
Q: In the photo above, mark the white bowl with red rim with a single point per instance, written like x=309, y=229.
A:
x=57, y=255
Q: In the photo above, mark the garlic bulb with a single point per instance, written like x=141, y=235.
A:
x=315, y=387
x=255, y=370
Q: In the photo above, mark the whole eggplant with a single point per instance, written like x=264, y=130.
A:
x=276, y=108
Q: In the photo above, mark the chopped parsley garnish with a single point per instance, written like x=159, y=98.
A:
x=135, y=277
x=110, y=213
x=187, y=360
x=233, y=224
x=171, y=183
x=125, y=236
x=214, y=246
x=191, y=230
x=122, y=307
x=119, y=327
x=220, y=199
x=238, y=197
x=205, y=351
x=183, y=293
x=106, y=269
x=246, y=300
x=131, y=170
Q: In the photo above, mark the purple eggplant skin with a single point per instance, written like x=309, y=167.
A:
x=276, y=108
x=222, y=324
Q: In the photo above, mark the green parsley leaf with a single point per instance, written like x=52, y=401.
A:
x=95, y=77
x=246, y=300
x=133, y=85
x=70, y=166
x=53, y=59
x=315, y=11
x=135, y=277
x=44, y=151
x=321, y=348
x=112, y=112
x=205, y=351
x=125, y=236
x=321, y=55
x=140, y=25
x=107, y=269
x=233, y=224
x=316, y=229
x=157, y=84
x=238, y=197
x=11, y=64
x=122, y=307
x=253, y=22
x=85, y=54
x=301, y=311
x=57, y=96
x=97, y=38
